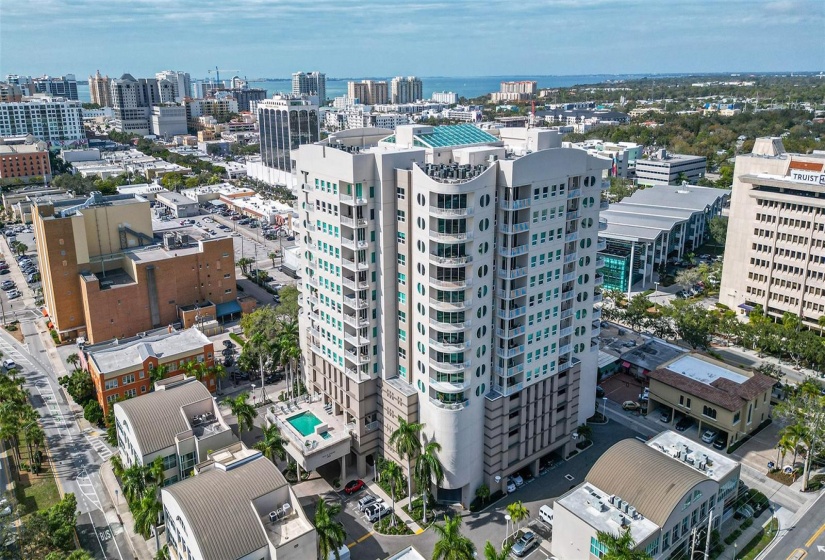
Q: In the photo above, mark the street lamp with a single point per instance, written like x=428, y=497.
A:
x=734, y=550
x=507, y=531
x=253, y=393
x=604, y=408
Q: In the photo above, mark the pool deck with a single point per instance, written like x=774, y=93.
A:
x=313, y=450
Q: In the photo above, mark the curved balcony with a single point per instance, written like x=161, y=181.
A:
x=456, y=405
x=602, y=224
x=449, y=366
x=597, y=298
x=599, y=261
x=598, y=280
x=597, y=313
x=605, y=185
x=453, y=284
x=601, y=245
x=451, y=237
x=450, y=212
x=450, y=386
x=604, y=205
x=574, y=193
x=449, y=326
x=449, y=347
x=456, y=261
x=450, y=305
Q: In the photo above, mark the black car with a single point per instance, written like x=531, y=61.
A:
x=290, y=238
x=599, y=392
x=227, y=343
x=684, y=424
x=720, y=442
x=228, y=352
x=228, y=362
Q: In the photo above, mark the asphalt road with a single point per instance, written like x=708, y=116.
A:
x=807, y=534
x=76, y=455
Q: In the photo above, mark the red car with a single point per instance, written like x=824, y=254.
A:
x=354, y=486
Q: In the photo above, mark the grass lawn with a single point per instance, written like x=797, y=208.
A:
x=36, y=493
x=760, y=541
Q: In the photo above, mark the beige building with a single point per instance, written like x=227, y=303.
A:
x=100, y=89
x=105, y=275
x=777, y=225
x=660, y=491
x=726, y=400
x=368, y=92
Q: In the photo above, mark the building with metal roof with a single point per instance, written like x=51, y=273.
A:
x=178, y=422
x=419, y=136
x=238, y=505
x=654, y=225
x=665, y=490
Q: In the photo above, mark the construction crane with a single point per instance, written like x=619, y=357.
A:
x=218, y=74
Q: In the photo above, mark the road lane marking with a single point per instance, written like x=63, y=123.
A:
x=815, y=536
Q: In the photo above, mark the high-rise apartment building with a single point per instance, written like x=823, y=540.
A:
x=55, y=120
x=100, y=89
x=777, y=227
x=310, y=83
x=407, y=90
x=449, y=279
x=60, y=86
x=181, y=83
x=448, y=97
x=368, y=92
x=132, y=101
x=246, y=96
x=10, y=92
x=285, y=123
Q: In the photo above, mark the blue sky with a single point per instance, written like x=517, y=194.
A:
x=272, y=38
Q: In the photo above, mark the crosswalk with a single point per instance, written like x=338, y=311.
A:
x=87, y=489
x=97, y=439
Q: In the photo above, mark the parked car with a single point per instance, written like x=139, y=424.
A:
x=665, y=416
x=5, y=508
x=354, y=486
x=365, y=501
x=525, y=544
x=744, y=512
x=7, y=285
x=227, y=343
x=684, y=424
x=380, y=512
x=719, y=442
x=4, y=271
x=511, y=486
x=9, y=364
x=709, y=436
x=13, y=294
x=518, y=479
x=599, y=392
x=631, y=405
x=645, y=394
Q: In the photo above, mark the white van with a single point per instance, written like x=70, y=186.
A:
x=546, y=515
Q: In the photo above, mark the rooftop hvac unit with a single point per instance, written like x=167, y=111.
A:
x=612, y=500
x=702, y=465
x=631, y=511
x=625, y=507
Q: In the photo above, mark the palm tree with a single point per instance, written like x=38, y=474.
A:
x=73, y=359
x=273, y=445
x=394, y=477
x=490, y=552
x=157, y=373
x=407, y=444
x=117, y=465
x=289, y=350
x=244, y=263
x=133, y=482
x=330, y=531
x=428, y=467
x=451, y=544
x=483, y=493
x=585, y=432
x=190, y=368
x=272, y=255
x=783, y=447
x=796, y=435
x=620, y=547
x=154, y=472
x=219, y=372
x=243, y=411
x=518, y=512
x=147, y=512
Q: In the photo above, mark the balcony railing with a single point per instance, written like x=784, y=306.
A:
x=449, y=366
x=602, y=224
x=509, y=372
x=572, y=236
x=567, y=294
x=569, y=257
x=353, y=266
x=349, y=283
x=513, y=251
x=512, y=273
x=451, y=236
x=357, y=358
x=604, y=205
x=458, y=405
x=451, y=305
x=449, y=326
x=353, y=244
x=510, y=352
x=510, y=333
x=569, y=277
x=511, y=294
x=566, y=331
x=572, y=214
x=598, y=280
x=574, y=193
x=438, y=259
x=451, y=283
x=514, y=204
x=449, y=346
x=352, y=222
x=565, y=349
x=356, y=303
x=357, y=322
x=566, y=313
x=353, y=200
x=511, y=313
x=507, y=391
x=436, y=211
x=601, y=245
x=598, y=298
x=514, y=228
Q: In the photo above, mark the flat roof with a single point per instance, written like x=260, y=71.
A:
x=175, y=198
x=117, y=356
x=652, y=354
x=690, y=197
x=669, y=442
x=704, y=372
x=20, y=149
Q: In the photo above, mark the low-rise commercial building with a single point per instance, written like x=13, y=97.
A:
x=664, y=168
x=238, y=506
x=653, y=225
x=105, y=275
x=667, y=488
x=124, y=368
x=177, y=205
x=728, y=400
x=179, y=422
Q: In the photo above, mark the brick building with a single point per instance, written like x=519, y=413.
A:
x=24, y=161
x=105, y=275
x=122, y=368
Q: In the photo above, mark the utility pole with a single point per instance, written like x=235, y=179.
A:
x=692, y=543
x=707, y=539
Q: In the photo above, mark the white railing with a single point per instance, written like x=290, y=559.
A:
x=436, y=211
x=514, y=204
x=513, y=251
x=510, y=274
x=450, y=260
x=510, y=333
x=510, y=352
x=457, y=236
x=448, y=366
x=511, y=313
x=450, y=283
x=514, y=228
x=459, y=405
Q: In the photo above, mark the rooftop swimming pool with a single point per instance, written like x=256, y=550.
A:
x=305, y=423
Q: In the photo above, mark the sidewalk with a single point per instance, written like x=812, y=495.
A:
x=140, y=548
x=737, y=548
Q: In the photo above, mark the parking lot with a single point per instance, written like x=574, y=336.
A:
x=19, y=272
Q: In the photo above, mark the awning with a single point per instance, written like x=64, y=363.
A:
x=228, y=308
x=625, y=364
x=746, y=307
x=217, y=202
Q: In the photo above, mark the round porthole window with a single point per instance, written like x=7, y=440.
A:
x=421, y=200
x=421, y=223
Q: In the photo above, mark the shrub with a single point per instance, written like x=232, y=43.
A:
x=93, y=413
x=477, y=504
x=400, y=528
x=55, y=336
x=747, y=523
x=732, y=537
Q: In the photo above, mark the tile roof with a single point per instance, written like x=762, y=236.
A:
x=726, y=393
x=218, y=507
x=156, y=418
x=652, y=482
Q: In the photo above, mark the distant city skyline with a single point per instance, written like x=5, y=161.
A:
x=270, y=38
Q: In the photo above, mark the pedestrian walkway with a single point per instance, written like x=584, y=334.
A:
x=140, y=548
x=738, y=547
